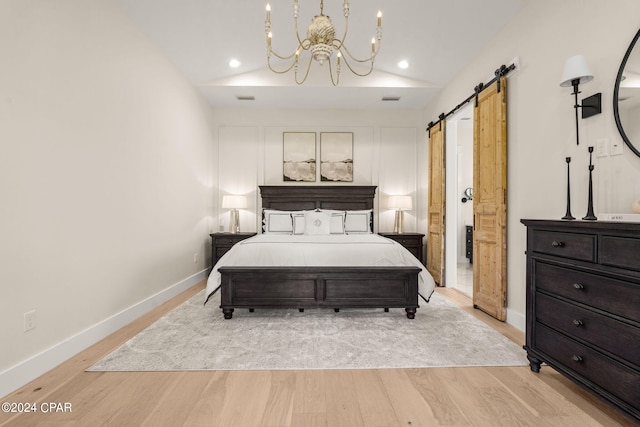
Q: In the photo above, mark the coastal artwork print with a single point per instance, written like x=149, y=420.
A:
x=299, y=156
x=336, y=156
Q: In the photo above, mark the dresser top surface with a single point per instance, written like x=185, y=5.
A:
x=582, y=224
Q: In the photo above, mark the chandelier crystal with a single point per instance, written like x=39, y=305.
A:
x=321, y=42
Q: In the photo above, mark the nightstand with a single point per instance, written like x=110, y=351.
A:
x=222, y=242
x=411, y=241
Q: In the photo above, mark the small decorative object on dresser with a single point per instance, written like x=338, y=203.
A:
x=568, y=215
x=635, y=206
x=222, y=242
x=411, y=241
x=583, y=305
x=590, y=215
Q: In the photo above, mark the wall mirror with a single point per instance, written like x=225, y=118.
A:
x=626, y=97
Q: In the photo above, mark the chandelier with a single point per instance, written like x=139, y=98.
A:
x=321, y=42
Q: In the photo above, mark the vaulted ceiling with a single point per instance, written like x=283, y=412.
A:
x=436, y=37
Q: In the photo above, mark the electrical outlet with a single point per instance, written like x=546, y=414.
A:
x=195, y=258
x=29, y=320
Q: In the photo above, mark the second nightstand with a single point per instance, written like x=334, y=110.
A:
x=222, y=242
x=411, y=241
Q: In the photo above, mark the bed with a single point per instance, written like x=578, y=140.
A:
x=249, y=277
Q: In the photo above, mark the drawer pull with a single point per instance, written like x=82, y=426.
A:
x=578, y=286
x=577, y=322
x=577, y=359
x=557, y=244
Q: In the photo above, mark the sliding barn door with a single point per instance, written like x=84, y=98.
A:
x=490, y=201
x=435, y=234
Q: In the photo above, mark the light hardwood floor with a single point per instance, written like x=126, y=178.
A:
x=478, y=396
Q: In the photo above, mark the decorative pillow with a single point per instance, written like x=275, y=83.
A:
x=358, y=222
x=298, y=222
x=277, y=222
x=317, y=223
x=337, y=220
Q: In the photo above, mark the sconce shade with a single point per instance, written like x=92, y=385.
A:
x=400, y=202
x=234, y=202
x=576, y=68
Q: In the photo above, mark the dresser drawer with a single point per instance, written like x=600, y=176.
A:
x=616, y=337
x=623, y=252
x=568, y=245
x=614, y=296
x=595, y=367
x=226, y=241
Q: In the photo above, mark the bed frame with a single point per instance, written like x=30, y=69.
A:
x=329, y=287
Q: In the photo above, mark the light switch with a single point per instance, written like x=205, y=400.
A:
x=602, y=147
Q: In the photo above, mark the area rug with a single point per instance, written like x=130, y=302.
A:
x=197, y=337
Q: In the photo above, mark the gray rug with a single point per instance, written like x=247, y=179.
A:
x=197, y=337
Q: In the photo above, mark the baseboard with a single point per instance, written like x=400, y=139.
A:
x=30, y=369
x=517, y=320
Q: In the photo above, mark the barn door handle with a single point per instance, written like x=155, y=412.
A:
x=557, y=244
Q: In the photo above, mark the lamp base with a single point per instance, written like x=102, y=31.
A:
x=398, y=225
x=234, y=221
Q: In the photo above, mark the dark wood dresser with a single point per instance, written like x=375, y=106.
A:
x=411, y=241
x=583, y=305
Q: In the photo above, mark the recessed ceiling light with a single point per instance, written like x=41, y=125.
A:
x=234, y=63
x=403, y=64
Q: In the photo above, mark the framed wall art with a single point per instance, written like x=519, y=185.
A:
x=299, y=156
x=336, y=156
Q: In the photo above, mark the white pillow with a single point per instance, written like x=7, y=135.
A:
x=358, y=222
x=277, y=222
x=317, y=223
x=298, y=222
x=337, y=220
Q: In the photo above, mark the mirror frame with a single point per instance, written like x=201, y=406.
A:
x=616, y=89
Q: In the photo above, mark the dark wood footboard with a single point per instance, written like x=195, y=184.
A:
x=329, y=287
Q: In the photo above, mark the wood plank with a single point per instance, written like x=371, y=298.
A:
x=375, y=407
x=408, y=404
x=343, y=408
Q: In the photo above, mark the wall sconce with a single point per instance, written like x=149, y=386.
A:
x=400, y=204
x=576, y=71
x=234, y=203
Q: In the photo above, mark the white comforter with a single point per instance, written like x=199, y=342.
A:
x=333, y=250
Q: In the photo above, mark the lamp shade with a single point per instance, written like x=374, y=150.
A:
x=576, y=68
x=400, y=202
x=234, y=202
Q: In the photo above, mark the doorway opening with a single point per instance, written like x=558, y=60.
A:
x=459, y=196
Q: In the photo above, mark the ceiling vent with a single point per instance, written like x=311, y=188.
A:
x=391, y=98
x=246, y=98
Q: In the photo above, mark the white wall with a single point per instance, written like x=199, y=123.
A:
x=105, y=173
x=385, y=153
x=541, y=124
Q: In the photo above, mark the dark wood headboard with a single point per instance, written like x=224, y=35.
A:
x=309, y=197
x=295, y=197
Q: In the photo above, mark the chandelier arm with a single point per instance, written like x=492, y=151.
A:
x=306, y=74
x=278, y=71
x=337, y=81
x=300, y=41
x=370, y=59
x=280, y=56
x=354, y=71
